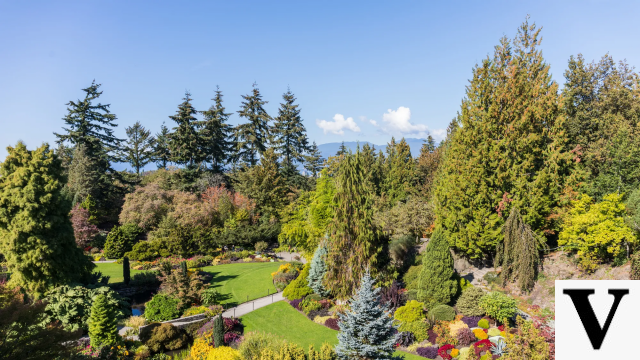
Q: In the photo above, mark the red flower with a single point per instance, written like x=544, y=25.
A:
x=444, y=351
x=501, y=327
x=482, y=345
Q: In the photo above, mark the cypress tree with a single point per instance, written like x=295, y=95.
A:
x=183, y=141
x=215, y=134
x=103, y=324
x=138, y=149
x=251, y=138
x=436, y=284
x=314, y=161
x=317, y=271
x=289, y=133
x=366, y=329
x=161, y=152
x=36, y=235
x=218, y=331
x=126, y=271
x=183, y=267
x=518, y=253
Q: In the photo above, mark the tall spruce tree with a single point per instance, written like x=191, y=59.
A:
x=103, y=323
x=215, y=134
x=436, y=285
x=36, y=235
x=400, y=173
x=314, y=161
x=289, y=133
x=184, y=141
x=138, y=149
x=508, y=148
x=366, y=329
x=161, y=151
x=317, y=270
x=252, y=137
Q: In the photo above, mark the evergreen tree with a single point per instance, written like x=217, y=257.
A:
x=289, y=133
x=138, y=149
x=370, y=166
x=436, y=284
x=251, y=138
x=184, y=143
x=215, y=134
x=518, y=253
x=317, y=271
x=355, y=242
x=427, y=165
x=400, y=173
x=84, y=179
x=366, y=329
x=342, y=150
x=103, y=324
x=161, y=152
x=36, y=237
x=314, y=161
x=218, y=331
x=126, y=271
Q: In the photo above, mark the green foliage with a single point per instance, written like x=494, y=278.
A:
x=634, y=271
x=412, y=311
x=289, y=133
x=596, y=232
x=527, y=343
x=483, y=324
x=299, y=287
x=469, y=302
x=120, y=240
x=499, y=306
x=412, y=276
x=419, y=329
x=256, y=342
x=184, y=140
x=183, y=286
x=317, y=270
x=103, y=324
x=138, y=149
x=410, y=219
x=126, y=271
x=261, y=246
x=215, y=133
x=252, y=136
x=218, y=331
x=442, y=313
x=436, y=284
x=313, y=162
x=36, y=237
x=210, y=296
x=400, y=172
x=163, y=337
x=161, y=151
x=162, y=308
x=307, y=305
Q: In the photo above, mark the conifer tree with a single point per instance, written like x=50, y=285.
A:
x=138, y=149
x=436, y=284
x=36, y=237
x=317, y=271
x=126, y=271
x=184, y=143
x=366, y=329
x=103, y=323
x=252, y=137
x=399, y=176
x=370, y=166
x=342, y=150
x=218, y=331
x=518, y=253
x=314, y=161
x=84, y=178
x=427, y=165
x=215, y=134
x=161, y=152
x=289, y=133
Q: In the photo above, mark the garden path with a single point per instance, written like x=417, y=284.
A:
x=288, y=256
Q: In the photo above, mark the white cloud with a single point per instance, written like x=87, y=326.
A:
x=338, y=125
x=398, y=122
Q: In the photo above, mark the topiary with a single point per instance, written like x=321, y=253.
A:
x=120, y=240
x=483, y=323
x=443, y=313
x=161, y=308
x=103, y=325
x=299, y=287
x=499, y=306
x=412, y=311
x=468, y=303
x=162, y=337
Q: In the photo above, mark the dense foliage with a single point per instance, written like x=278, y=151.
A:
x=436, y=283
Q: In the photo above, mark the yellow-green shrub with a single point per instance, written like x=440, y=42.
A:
x=412, y=311
x=418, y=328
x=480, y=334
x=493, y=332
x=223, y=353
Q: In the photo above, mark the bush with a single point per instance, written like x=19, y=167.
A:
x=405, y=338
x=471, y=321
x=412, y=311
x=195, y=310
x=483, y=323
x=456, y=326
x=493, y=332
x=332, y=324
x=147, y=278
x=256, y=342
x=299, y=287
x=419, y=330
x=442, y=313
x=296, y=303
x=499, y=306
x=430, y=352
x=162, y=308
x=120, y=240
x=261, y=246
x=223, y=353
x=307, y=305
x=162, y=337
x=468, y=303
x=480, y=334
x=634, y=273
x=103, y=326
x=135, y=322
x=465, y=337
x=210, y=296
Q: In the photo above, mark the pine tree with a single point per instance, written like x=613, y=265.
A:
x=126, y=271
x=103, y=324
x=436, y=283
x=36, y=237
x=251, y=138
x=342, y=150
x=161, y=152
x=215, y=134
x=138, y=149
x=218, y=331
x=314, y=161
x=289, y=133
x=317, y=271
x=518, y=253
x=183, y=141
x=366, y=329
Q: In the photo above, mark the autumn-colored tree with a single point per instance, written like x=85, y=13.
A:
x=83, y=230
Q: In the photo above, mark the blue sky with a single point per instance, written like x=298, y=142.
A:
x=402, y=64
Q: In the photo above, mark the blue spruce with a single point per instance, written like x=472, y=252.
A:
x=317, y=271
x=366, y=330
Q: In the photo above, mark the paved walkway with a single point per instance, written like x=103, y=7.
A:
x=288, y=256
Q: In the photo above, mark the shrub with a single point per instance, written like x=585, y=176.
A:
x=468, y=303
x=442, y=313
x=147, y=278
x=483, y=323
x=299, y=287
x=183, y=286
x=120, y=240
x=195, y=310
x=430, y=352
x=200, y=349
x=499, y=306
x=528, y=342
x=256, y=342
x=405, y=338
x=480, y=334
x=296, y=303
x=634, y=272
x=493, y=332
x=332, y=324
x=321, y=319
x=456, y=326
x=419, y=329
x=261, y=246
x=135, y=322
x=307, y=305
x=162, y=337
x=161, y=308
x=471, y=321
x=444, y=351
x=465, y=337
x=444, y=336
x=103, y=325
x=436, y=284
x=412, y=311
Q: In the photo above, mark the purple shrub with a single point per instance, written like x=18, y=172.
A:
x=296, y=303
x=230, y=324
x=430, y=352
x=471, y=321
x=465, y=337
x=332, y=323
x=432, y=336
x=230, y=337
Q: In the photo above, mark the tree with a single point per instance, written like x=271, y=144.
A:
x=427, y=165
x=126, y=271
x=400, y=173
x=215, y=134
x=317, y=271
x=289, y=133
x=436, y=283
x=251, y=137
x=366, y=329
x=218, y=331
x=36, y=237
x=161, y=152
x=120, y=240
x=518, y=254
x=138, y=149
x=355, y=242
x=83, y=230
x=314, y=161
x=84, y=177
x=342, y=150
x=103, y=324
x=184, y=143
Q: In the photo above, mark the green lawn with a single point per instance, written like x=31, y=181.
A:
x=283, y=320
x=114, y=271
x=239, y=282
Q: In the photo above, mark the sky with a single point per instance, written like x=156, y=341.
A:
x=361, y=70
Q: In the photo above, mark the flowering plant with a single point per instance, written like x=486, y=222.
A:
x=482, y=345
x=444, y=351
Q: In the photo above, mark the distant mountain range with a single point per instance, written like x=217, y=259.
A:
x=330, y=149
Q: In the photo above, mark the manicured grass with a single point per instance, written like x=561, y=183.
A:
x=114, y=271
x=283, y=320
x=239, y=282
